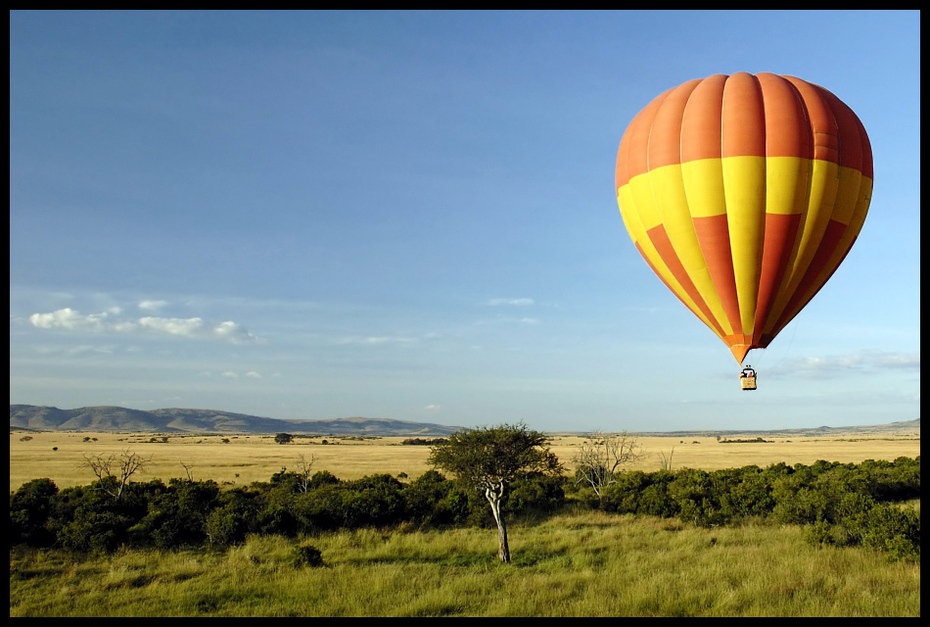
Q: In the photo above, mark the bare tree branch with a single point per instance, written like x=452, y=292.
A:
x=666, y=462
x=189, y=470
x=114, y=471
x=304, y=472
x=599, y=459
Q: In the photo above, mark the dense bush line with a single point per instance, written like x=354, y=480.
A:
x=843, y=504
x=840, y=504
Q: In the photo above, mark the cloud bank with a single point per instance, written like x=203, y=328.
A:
x=864, y=361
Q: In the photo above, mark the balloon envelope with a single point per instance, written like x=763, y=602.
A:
x=744, y=193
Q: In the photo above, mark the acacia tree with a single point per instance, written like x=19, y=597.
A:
x=600, y=457
x=489, y=459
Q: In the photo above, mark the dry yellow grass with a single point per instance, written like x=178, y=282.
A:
x=706, y=453
x=244, y=459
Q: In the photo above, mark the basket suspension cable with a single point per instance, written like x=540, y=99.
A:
x=747, y=377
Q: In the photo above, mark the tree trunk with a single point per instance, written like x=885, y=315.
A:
x=503, y=549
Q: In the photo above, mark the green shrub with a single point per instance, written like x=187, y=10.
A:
x=306, y=555
x=94, y=532
x=176, y=516
x=694, y=493
x=536, y=494
x=892, y=529
x=224, y=528
x=654, y=499
x=30, y=507
x=893, y=481
x=233, y=518
x=376, y=501
x=622, y=495
x=431, y=500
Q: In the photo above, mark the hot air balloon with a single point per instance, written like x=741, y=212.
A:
x=744, y=193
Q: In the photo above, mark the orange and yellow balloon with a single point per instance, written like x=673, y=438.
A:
x=744, y=193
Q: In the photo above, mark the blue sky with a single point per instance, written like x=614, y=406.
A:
x=412, y=215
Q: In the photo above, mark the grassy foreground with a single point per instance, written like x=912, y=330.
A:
x=585, y=564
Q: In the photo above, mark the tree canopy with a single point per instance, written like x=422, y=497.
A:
x=494, y=454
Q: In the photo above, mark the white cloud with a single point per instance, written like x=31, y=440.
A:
x=232, y=332
x=431, y=407
x=253, y=375
x=68, y=318
x=173, y=326
x=72, y=320
x=376, y=339
x=519, y=302
x=151, y=305
x=88, y=349
x=230, y=375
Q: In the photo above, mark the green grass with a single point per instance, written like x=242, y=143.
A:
x=585, y=564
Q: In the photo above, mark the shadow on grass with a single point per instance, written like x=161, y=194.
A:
x=524, y=558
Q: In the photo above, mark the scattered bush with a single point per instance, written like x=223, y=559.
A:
x=306, y=555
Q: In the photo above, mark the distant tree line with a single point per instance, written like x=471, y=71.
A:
x=424, y=441
x=840, y=504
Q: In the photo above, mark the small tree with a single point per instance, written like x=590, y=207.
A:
x=189, y=470
x=489, y=459
x=598, y=460
x=666, y=460
x=304, y=472
x=115, y=471
x=283, y=438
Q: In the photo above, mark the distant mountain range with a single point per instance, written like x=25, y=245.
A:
x=903, y=428
x=203, y=421
x=107, y=418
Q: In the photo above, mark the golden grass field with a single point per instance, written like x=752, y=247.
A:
x=242, y=459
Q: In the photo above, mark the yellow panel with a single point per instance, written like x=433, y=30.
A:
x=642, y=194
x=703, y=180
x=744, y=179
x=634, y=226
x=787, y=180
x=862, y=206
x=847, y=197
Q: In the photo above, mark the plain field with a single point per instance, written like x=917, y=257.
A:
x=239, y=460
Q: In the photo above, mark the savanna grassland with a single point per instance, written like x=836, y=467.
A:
x=587, y=564
x=579, y=562
x=242, y=459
